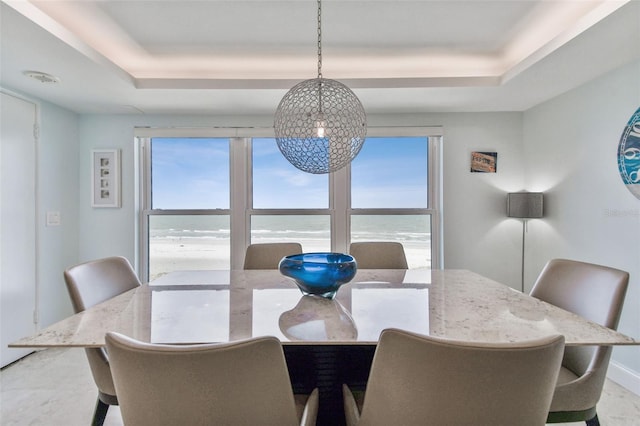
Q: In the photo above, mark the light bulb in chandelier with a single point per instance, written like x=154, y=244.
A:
x=320, y=128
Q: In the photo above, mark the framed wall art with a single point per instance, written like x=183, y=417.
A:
x=629, y=154
x=484, y=162
x=105, y=183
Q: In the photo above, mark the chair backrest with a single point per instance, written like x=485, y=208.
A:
x=418, y=379
x=239, y=383
x=594, y=292
x=94, y=282
x=379, y=255
x=268, y=255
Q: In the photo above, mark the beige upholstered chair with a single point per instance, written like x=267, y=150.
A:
x=379, y=255
x=268, y=255
x=88, y=284
x=239, y=383
x=596, y=293
x=420, y=380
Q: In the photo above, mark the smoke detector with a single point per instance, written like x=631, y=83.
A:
x=42, y=77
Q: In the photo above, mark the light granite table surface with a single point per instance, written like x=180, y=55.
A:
x=218, y=306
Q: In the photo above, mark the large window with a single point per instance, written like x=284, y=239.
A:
x=391, y=172
x=390, y=193
x=204, y=199
x=284, y=203
x=279, y=185
x=188, y=224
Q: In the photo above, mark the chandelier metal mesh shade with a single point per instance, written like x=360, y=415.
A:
x=320, y=124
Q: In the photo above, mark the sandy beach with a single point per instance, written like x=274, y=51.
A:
x=179, y=253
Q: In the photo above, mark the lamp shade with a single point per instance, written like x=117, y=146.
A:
x=320, y=125
x=524, y=205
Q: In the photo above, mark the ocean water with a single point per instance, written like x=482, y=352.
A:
x=409, y=228
x=172, y=227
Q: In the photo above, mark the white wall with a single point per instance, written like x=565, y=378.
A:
x=478, y=236
x=58, y=191
x=570, y=154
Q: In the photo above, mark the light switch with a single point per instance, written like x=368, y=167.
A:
x=53, y=218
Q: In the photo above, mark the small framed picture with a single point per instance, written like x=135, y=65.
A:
x=484, y=162
x=105, y=178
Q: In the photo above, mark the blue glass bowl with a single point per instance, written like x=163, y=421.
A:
x=319, y=274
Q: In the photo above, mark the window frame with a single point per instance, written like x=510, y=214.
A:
x=241, y=190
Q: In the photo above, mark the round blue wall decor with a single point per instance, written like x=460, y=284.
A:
x=629, y=154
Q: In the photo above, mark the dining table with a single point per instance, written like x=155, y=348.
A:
x=326, y=342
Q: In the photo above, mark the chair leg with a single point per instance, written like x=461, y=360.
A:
x=100, y=413
x=593, y=421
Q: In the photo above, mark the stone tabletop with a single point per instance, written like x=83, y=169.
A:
x=218, y=306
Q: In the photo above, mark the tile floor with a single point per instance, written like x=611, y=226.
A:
x=54, y=387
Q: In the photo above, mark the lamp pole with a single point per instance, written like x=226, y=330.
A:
x=524, y=205
x=524, y=226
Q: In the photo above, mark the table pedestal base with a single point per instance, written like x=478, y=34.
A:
x=327, y=367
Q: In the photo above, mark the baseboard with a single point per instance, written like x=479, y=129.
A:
x=625, y=377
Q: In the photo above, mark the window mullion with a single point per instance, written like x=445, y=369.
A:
x=240, y=170
x=339, y=204
x=435, y=201
x=144, y=204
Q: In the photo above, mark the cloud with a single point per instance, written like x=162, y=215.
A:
x=292, y=177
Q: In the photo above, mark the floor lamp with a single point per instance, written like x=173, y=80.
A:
x=524, y=205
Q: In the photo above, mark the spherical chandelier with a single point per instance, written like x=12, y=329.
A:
x=320, y=124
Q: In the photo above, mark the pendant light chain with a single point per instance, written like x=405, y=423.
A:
x=320, y=124
x=319, y=39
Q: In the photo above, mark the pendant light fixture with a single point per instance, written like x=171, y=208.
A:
x=320, y=124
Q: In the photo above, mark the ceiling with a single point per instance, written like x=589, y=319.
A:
x=240, y=57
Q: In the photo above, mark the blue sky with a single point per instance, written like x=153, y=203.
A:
x=193, y=173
